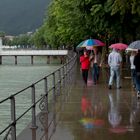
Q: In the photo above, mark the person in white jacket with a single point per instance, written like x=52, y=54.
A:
x=133, y=69
x=114, y=61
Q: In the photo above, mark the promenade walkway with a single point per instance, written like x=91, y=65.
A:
x=96, y=113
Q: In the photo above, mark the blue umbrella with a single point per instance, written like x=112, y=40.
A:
x=90, y=43
x=80, y=45
x=93, y=42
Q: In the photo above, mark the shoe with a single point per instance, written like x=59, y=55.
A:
x=109, y=87
x=134, y=86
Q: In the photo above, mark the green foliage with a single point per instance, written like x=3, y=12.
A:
x=22, y=40
x=64, y=24
x=2, y=34
x=70, y=22
x=38, y=38
x=124, y=6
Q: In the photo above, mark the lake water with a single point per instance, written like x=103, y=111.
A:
x=16, y=77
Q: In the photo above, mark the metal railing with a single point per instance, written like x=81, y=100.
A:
x=56, y=87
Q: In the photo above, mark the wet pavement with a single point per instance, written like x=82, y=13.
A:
x=96, y=112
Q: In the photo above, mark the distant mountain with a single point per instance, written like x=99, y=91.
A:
x=21, y=16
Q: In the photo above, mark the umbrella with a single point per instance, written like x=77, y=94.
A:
x=92, y=123
x=87, y=122
x=120, y=46
x=118, y=130
x=98, y=122
x=130, y=49
x=80, y=45
x=90, y=43
x=134, y=45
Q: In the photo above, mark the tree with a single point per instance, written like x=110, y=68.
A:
x=2, y=34
x=129, y=11
x=70, y=22
x=38, y=38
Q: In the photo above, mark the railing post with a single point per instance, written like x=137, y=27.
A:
x=67, y=73
x=33, y=127
x=53, y=83
x=64, y=81
x=59, y=82
x=54, y=102
x=13, y=118
x=67, y=78
x=48, y=59
x=44, y=111
x=32, y=59
x=71, y=69
x=63, y=76
x=46, y=94
x=15, y=59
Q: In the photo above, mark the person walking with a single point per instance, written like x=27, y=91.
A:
x=137, y=66
x=95, y=65
x=114, y=62
x=132, y=67
x=85, y=63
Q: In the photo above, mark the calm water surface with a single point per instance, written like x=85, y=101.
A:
x=16, y=77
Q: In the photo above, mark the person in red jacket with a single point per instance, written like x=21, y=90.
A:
x=85, y=63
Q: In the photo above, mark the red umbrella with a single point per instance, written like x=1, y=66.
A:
x=120, y=46
x=98, y=122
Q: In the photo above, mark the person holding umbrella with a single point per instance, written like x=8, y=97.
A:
x=95, y=64
x=137, y=66
x=136, y=45
x=132, y=66
x=114, y=61
x=85, y=63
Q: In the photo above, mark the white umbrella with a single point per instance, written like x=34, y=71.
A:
x=135, y=45
x=130, y=49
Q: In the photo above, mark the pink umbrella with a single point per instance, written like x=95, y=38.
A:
x=98, y=122
x=120, y=46
x=118, y=130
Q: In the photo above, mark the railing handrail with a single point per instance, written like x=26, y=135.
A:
x=67, y=68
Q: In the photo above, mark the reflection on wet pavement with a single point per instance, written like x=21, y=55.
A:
x=97, y=113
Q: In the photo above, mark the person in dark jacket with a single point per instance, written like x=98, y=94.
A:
x=137, y=66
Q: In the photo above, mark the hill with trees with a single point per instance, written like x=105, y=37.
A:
x=21, y=16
